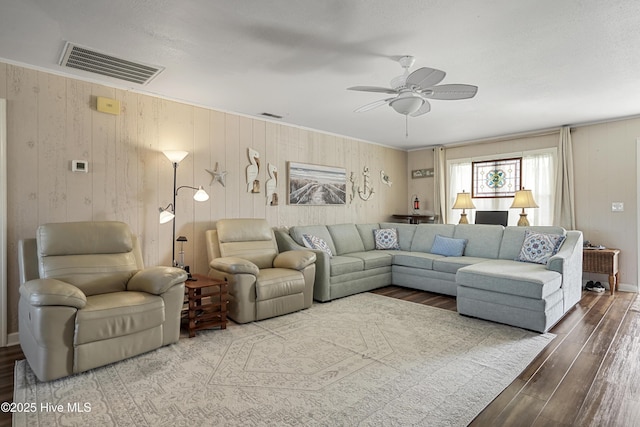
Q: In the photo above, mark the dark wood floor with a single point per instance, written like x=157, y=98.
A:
x=589, y=375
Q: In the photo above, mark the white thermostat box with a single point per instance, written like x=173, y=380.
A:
x=79, y=166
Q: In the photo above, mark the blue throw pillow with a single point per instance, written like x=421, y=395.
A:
x=448, y=246
x=539, y=247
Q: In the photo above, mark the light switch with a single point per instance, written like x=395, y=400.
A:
x=617, y=207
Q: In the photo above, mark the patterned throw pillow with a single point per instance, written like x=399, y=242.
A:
x=539, y=247
x=448, y=246
x=386, y=238
x=314, y=242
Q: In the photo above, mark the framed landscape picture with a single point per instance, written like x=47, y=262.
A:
x=496, y=178
x=316, y=185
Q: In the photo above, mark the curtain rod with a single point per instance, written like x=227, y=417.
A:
x=508, y=137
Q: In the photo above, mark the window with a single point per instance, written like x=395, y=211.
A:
x=538, y=175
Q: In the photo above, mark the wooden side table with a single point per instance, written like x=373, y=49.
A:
x=603, y=261
x=206, y=310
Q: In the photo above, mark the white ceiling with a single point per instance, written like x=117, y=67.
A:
x=538, y=64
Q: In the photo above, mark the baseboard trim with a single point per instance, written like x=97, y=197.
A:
x=623, y=287
x=13, y=339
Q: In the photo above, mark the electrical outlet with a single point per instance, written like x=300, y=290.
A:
x=617, y=207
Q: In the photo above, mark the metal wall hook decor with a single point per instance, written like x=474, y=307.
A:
x=367, y=192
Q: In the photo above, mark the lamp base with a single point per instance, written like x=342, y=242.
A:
x=523, y=221
x=463, y=219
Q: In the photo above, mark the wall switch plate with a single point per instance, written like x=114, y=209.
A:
x=79, y=166
x=617, y=207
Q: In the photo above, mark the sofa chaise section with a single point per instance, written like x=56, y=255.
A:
x=527, y=295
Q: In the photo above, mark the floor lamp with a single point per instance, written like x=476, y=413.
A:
x=169, y=213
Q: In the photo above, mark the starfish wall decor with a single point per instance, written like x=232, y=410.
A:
x=217, y=176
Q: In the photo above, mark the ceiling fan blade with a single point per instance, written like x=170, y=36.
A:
x=373, y=89
x=453, y=91
x=426, y=107
x=372, y=105
x=425, y=77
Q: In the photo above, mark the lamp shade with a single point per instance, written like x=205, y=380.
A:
x=175, y=156
x=201, y=195
x=463, y=201
x=523, y=199
x=165, y=216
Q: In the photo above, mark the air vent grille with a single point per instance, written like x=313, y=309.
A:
x=271, y=115
x=85, y=59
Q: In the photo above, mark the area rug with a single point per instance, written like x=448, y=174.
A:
x=361, y=360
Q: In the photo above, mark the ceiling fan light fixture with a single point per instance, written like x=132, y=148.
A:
x=407, y=104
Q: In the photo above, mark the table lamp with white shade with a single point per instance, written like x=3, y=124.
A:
x=463, y=201
x=523, y=200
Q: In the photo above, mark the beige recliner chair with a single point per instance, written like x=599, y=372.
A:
x=87, y=301
x=262, y=282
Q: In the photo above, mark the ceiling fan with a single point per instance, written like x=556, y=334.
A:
x=412, y=90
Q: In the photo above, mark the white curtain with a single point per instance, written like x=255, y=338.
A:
x=538, y=172
x=565, y=214
x=538, y=175
x=440, y=190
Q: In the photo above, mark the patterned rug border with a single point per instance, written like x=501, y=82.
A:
x=389, y=366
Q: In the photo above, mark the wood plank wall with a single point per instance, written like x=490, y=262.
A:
x=53, y=120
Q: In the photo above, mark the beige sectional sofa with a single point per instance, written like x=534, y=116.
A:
x=487, y=280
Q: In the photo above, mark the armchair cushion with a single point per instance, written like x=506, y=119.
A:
x=233, y=265
x=156, y=280
x=296, y=260
x=74, y=238
x=278, y=282
x=117, y=314
x=42, y=292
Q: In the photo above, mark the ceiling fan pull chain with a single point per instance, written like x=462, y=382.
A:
x=406, y=126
